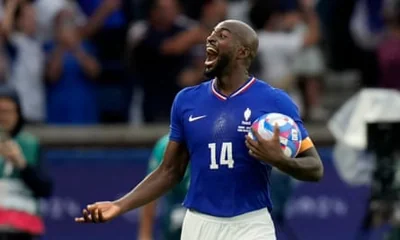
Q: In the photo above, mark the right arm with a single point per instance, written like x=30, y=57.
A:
x=96, y=21
x=8, y=20
x=165, y=177
x=312, y=35
x=182, y=42
x=170, y=172
x=55, y=64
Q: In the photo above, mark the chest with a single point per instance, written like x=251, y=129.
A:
x=221, y=121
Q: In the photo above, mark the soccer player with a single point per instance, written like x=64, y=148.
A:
x=174, y=212
x=228, y=197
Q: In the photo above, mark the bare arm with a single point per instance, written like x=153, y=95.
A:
x=313, y=33
x=96, y=21
x=165, y=177
x=55, y=64
x=8, y=20
x=89, y=64
x=147, y=221
x=307, y=166
x=182, y=42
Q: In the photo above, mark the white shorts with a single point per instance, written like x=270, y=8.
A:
x=256, y=225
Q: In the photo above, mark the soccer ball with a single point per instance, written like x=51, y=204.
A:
x=290, y=135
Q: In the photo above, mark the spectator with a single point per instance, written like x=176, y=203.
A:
x=19, y=27
x=366, y=28
x=389, y=48
x=194, y=39
x=158, y=71
x=106, y=28
x=309, y=69
x=49, y=10
x=4, y=65
x=71, y=73
x=277, y=48
x=238, y=10
x=22, y=181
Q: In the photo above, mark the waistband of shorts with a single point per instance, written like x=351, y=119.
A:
x=253, y=215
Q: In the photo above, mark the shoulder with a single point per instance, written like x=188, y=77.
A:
x=30, y=146
x=284, y=103
x=264, y=88
x=274, y=95
x=194, y=91
x=27, y=138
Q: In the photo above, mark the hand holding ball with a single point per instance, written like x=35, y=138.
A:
x=289, y=133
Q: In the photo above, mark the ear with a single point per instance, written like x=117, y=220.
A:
x=243, y=53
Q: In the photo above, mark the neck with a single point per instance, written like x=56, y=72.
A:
x=229, y=83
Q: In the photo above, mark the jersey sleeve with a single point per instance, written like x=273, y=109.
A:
x=157, y=154
x=288, y=107
x=176, y=125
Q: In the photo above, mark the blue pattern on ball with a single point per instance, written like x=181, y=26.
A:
x=292, y=144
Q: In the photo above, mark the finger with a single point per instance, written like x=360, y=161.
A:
x=80, y=220
x=276, y=131
x=253, y=149
x=252, y=142
x=91, y=207
x=94, y=214
x=256, y=135
x=255, y=155
x=101, y=217
x=86, y=216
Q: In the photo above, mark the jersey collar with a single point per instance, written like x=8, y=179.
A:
x=240, y=90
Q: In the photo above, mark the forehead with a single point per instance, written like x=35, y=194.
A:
x=223, y=27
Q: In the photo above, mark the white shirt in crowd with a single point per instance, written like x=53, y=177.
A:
x=26, y=76
x=277, y=52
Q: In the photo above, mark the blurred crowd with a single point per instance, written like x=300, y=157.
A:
x=119, y=61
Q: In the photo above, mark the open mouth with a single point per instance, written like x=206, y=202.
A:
x=212, y=57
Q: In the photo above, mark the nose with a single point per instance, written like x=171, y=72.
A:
x=211, y=40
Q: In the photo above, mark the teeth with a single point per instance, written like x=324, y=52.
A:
x=209, y=62
x=211, y=50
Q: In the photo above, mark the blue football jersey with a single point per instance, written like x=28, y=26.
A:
x=225, y=180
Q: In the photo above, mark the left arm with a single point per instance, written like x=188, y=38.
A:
x=307, y=166
x=89, y=64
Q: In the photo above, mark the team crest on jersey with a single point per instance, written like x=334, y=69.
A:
x=245, y=123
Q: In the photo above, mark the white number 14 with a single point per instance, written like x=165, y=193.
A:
x=225, y=156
